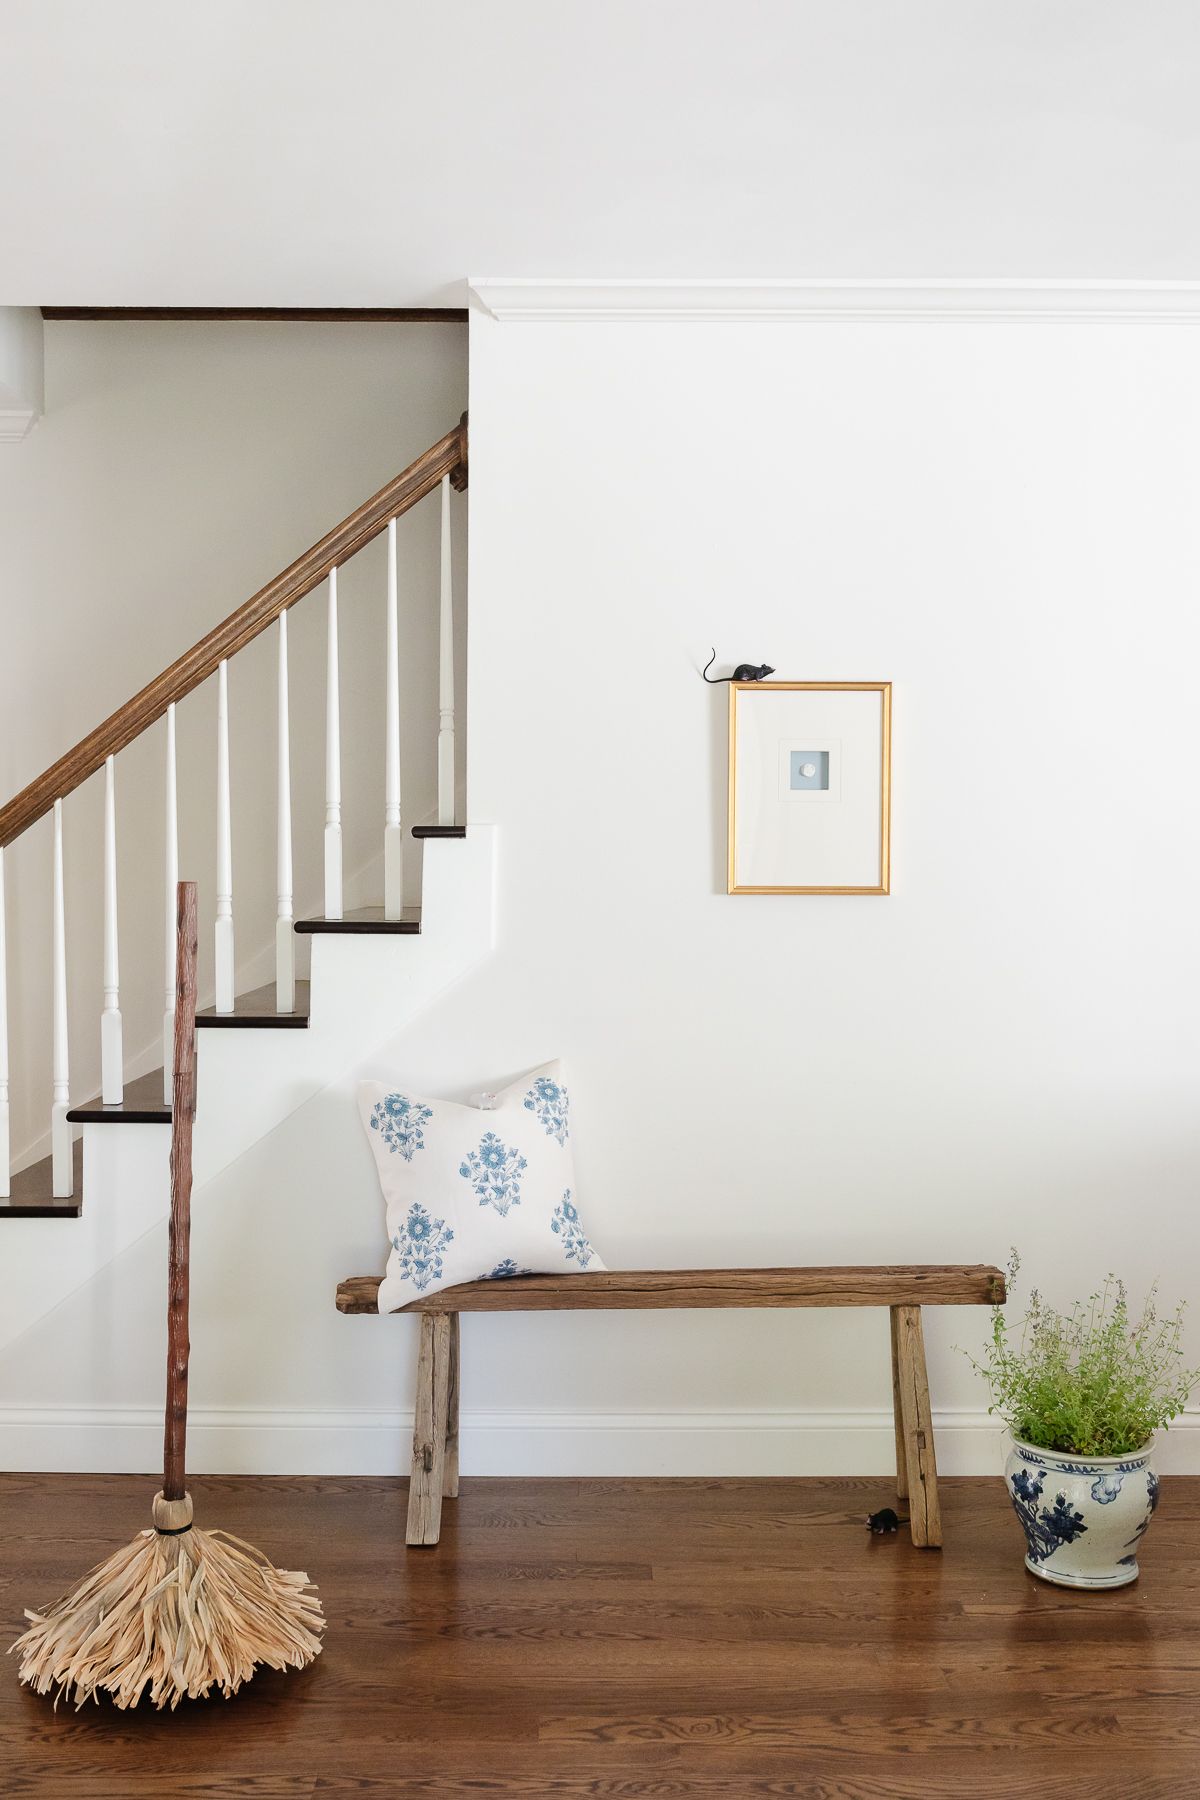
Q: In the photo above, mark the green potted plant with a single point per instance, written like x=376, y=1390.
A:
x=1084, y=1394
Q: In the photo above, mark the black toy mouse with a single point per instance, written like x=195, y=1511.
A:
x=743, y=672
x=884, y=1522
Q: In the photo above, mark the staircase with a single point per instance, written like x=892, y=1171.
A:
x=262, y=1053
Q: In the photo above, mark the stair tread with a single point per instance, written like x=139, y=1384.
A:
x=32, y=1196
x=143, y=1104
x=439, y=831
x=364, y=919
x=257, y=1010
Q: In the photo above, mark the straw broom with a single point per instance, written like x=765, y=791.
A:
x=179, y=1611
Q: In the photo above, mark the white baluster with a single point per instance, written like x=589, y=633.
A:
x=112, y=1061
x=171, y=861
x=285, y=937
x=62, y=1160
x=5, y=1158
x=445, y=763
x=333, y=764
x=393, y=837
x=224, y=926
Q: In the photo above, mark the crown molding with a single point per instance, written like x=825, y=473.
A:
x=881, y=301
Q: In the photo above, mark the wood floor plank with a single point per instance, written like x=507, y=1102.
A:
x=920, y=1779
x=635, y=1638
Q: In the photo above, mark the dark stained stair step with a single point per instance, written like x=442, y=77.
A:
x=143, y=1104
x=256, y=1011
x=31, y=1192
x=439, y=831
x=364, y=920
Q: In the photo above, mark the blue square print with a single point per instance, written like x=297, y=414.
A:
x=809, y=770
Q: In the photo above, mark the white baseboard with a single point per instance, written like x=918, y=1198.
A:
x=233, y=1440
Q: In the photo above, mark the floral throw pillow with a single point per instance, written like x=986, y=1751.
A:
x=475, y=1195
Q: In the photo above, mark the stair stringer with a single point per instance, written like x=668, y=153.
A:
x=364, y=991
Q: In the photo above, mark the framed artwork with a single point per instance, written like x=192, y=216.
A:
x=810, y=775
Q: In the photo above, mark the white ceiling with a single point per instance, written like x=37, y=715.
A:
x=376, y=152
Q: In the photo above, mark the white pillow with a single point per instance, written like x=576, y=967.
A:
x=475, y=1195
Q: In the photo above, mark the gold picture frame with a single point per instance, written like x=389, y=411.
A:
x=743, y=692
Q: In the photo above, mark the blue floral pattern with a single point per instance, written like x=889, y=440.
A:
x=1105, y=1488
x=419, y=1244
x=494, y=1172
x=1152, y=1499
x=1048, y=1527
x=548, y=1101
x=400, y=1123
x=565, y=1223
x=504, y=1271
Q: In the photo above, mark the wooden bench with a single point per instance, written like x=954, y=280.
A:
x=904, y=1290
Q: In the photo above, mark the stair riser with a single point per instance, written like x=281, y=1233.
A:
x=126, y=1181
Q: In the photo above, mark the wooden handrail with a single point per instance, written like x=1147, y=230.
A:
x=447, y=457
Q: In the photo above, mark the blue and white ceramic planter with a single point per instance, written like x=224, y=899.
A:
x=1083, y=1516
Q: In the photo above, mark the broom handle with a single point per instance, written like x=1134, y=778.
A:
x=182, y=1113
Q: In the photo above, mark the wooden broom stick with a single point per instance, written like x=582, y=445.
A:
x=184, y=1096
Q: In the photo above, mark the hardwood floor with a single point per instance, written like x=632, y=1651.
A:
x=636, y=1638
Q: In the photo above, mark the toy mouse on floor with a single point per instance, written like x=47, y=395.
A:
x=886, y=1522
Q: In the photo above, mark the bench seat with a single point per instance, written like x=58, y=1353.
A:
x=903, y=1289
x=627, y=1290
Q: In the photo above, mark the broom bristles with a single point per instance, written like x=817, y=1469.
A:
x=174, y=1617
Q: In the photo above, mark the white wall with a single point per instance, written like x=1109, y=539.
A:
x=178, y=468
x=1001, y=520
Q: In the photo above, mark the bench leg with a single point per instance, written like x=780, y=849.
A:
x=450, y=1466
x=915, y=1427
x=897, y=1417
x=429, y=1431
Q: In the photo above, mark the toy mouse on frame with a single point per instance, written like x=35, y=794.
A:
x=810, y=783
